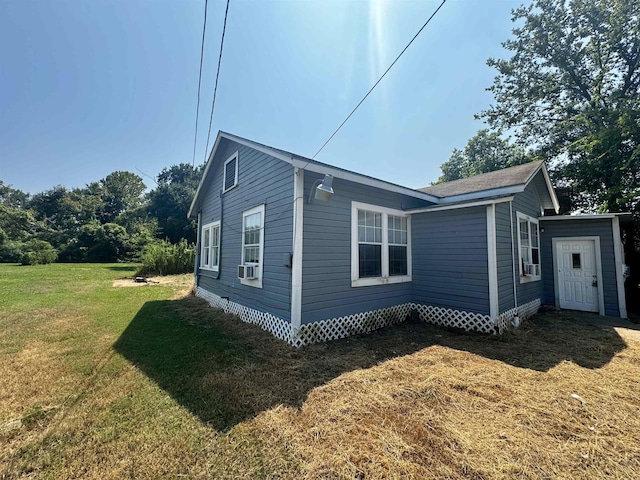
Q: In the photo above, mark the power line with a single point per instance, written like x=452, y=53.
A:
x=215, y=89
x=383, y=75
x=204, y=30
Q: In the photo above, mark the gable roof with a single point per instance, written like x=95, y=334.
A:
x=500, y=182
x=487, y=185
x=302, y=163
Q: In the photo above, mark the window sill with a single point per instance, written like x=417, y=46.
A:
x=257, y=283
x=230, y=188
x=526, y=279
x=366, y=282
x=209, y=269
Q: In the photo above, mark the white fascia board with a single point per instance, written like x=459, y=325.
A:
x=595, y=216
x=494, y=192
x=363, y=179
x=305, y=164
x=194, y=203
x=552, y=192
x=479, y=203
x=256, y=146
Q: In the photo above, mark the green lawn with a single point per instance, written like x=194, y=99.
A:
x=100, y=380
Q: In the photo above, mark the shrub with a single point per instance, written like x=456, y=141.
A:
x=165, y=258
x=11, y=252
x=38, y=252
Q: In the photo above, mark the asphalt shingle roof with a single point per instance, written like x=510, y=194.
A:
x=507, y=177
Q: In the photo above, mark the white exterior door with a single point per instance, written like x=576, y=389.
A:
x=577, y=275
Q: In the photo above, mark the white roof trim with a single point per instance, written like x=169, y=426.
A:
x=363, y=179
x=552, y=192
x=305, y=164
x=595, y=216
x=494, y=192
x=191, y=211
x=508, y=190
x=440, y=208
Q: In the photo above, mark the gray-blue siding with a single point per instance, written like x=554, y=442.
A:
x=527, y=202
x=450, y=259
x=326, y=266
x=262, y=179
x=504, y=257
x=581, y=228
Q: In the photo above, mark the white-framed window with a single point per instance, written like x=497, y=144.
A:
x=230, y=174
x=253, y=243
x=528, y=248
x=380, y=245
x=210, y=246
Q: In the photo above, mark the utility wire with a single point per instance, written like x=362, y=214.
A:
x=215, y=89
x=376, y=84
x=204, y=30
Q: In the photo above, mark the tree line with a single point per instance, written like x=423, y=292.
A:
x=569, y=95
x=109, y=220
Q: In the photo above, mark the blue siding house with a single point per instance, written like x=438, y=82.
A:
x=312, y=252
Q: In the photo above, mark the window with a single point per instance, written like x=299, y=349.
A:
x=576, y=261
x=210, y=246
x=253, y=243
x=230, y=178
x=381, y=247
x=528, y=248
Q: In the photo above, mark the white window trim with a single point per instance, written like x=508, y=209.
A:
x=224, y=173
x=532, y=278
x=258, y=281
x=385, y=278
x=210, y=266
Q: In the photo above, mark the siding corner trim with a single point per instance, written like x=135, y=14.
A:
x=296, y=261
x=492, y=257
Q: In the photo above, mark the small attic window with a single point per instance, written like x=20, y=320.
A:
x=230, y=178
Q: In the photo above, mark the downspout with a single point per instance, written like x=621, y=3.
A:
x=516, y=319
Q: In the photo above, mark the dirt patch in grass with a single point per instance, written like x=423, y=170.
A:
x=182, y=283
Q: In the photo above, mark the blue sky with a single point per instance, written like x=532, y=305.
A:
x=90, y=87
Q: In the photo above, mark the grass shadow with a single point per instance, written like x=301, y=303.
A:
x=122, y=268
x=225, y=371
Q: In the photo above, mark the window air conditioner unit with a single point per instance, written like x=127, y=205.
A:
x=248, y=271
x=530, y=269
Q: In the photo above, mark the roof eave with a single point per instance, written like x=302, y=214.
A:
x=547, y=179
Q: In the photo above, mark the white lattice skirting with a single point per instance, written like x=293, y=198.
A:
x=524, y=311
x=341, y=327
x=277, y=326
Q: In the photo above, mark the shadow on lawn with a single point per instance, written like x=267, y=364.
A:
x=122, y=268
x=225, y=371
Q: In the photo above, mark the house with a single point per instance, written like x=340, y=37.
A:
x=481, y=253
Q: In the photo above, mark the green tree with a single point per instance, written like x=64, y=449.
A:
x=571, y=91
x=98, y=243
x=169, y=202
x=485, y=152
x=120, y=192
x=12, y=197
x=63, y=212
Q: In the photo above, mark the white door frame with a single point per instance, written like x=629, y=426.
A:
x=556, y=286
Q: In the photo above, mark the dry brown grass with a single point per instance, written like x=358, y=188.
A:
x=179, y=389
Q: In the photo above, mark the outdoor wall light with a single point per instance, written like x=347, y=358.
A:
x=322, y=189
